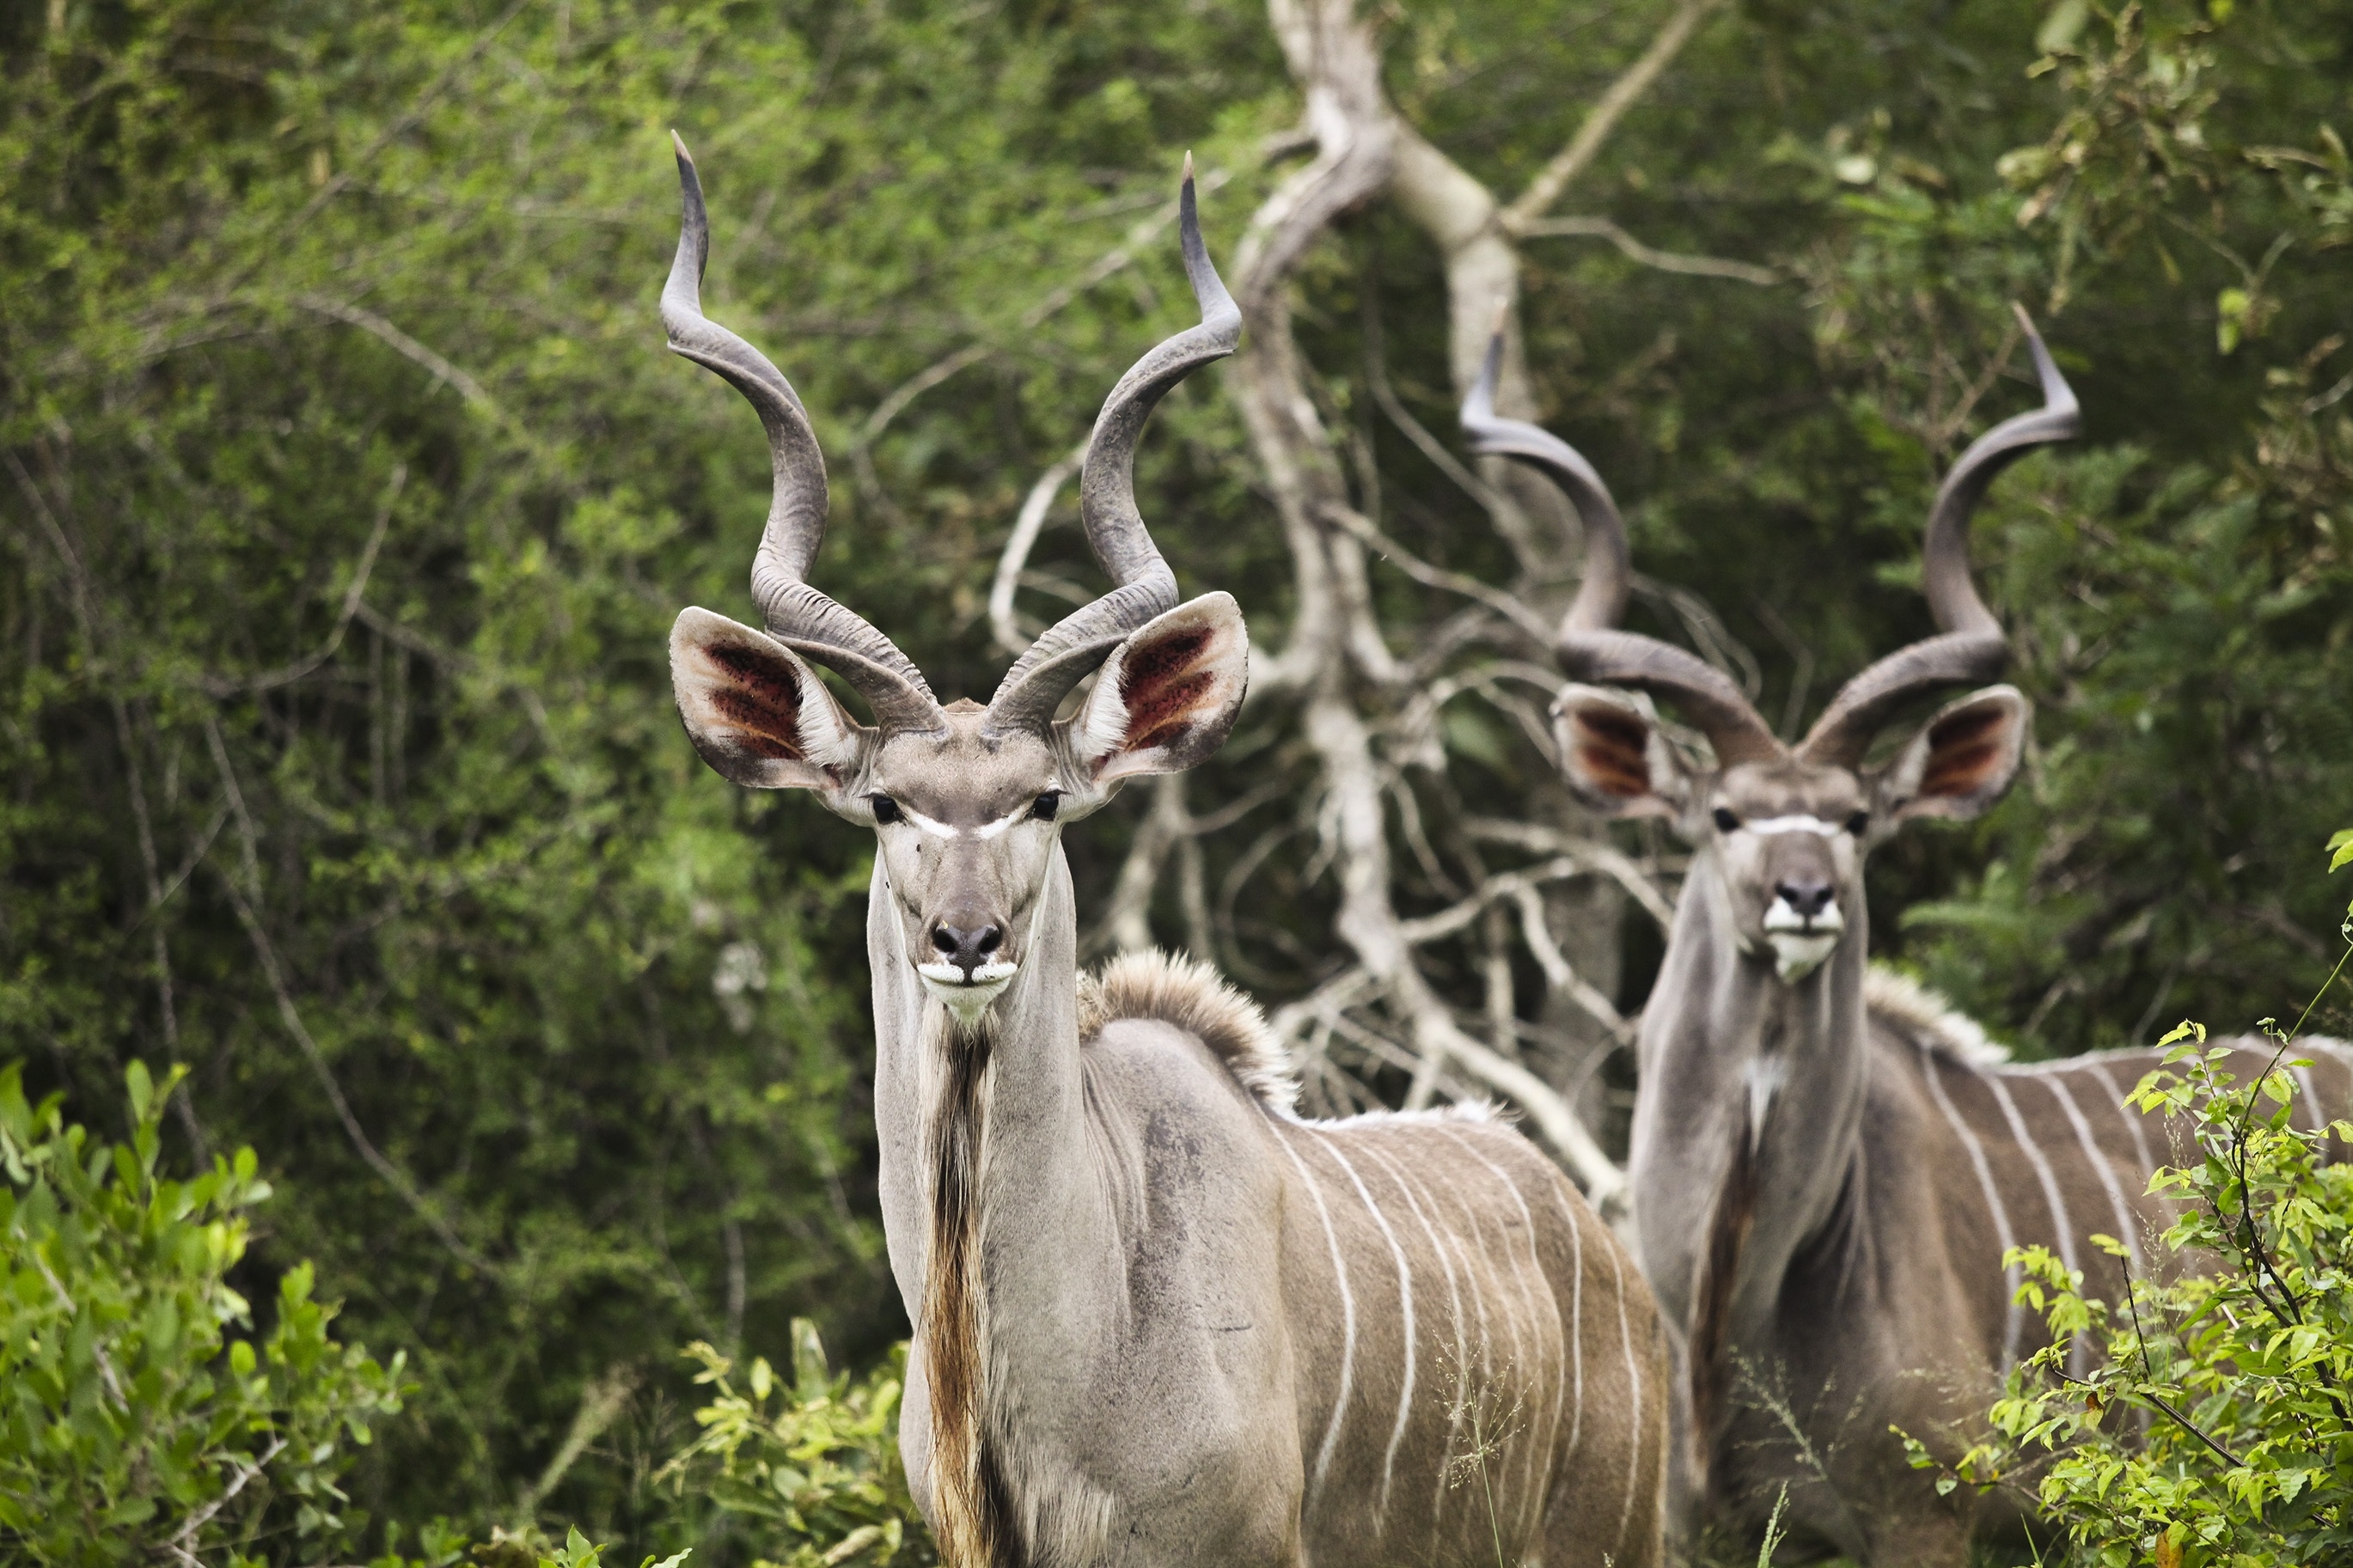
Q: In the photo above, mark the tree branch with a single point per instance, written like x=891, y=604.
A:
x=1663, y=260
x=1620, y=96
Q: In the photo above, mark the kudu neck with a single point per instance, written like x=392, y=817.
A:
x=1747, y=1081
x=1027, y=1101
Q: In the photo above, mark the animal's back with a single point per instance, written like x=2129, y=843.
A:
x=1485, y=1363
x=1473, y=1357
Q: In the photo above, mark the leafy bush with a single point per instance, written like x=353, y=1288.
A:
x=810, y=1470
x=2219, y=1428
x=141, y=1413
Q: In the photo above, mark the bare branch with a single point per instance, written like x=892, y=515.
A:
x=1002, y=623
x=1114, y=260
x=1127, y=922
x=1620, y=96
x=292, y=1016
x=184, y=1540
x=407, y=347
x=1421, y=572
x=288, y=674
x=1663, y=260
x=1559, y=973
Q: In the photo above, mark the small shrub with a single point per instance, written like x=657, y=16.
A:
x=808, y=1471
x=142, y=1416
x=2219, y=1428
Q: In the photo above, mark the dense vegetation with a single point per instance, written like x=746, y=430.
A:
x=349, y=494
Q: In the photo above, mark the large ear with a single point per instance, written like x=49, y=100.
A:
x=755, y=712
x=1614, y=757
x=1166, y=696
x=1961, y=759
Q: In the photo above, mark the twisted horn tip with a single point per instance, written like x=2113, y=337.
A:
x=2056, y=393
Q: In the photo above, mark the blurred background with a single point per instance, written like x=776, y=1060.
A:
x=350, y=492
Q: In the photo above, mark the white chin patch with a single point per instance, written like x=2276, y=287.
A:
x=967, y=999
x=1797, y=956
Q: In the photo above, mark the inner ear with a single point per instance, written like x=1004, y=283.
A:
x=1169, y=696
x=1962, y=760
x=1613, y=756
x=756, y=711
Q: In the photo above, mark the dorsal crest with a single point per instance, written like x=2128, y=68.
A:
x=1191, y=995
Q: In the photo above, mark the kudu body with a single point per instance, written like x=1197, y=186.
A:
x=1159, y=1319
x=1827, y=1165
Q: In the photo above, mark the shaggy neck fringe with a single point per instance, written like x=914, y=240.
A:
x=969, y=1498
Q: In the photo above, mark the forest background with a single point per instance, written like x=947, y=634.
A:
x=350, y=492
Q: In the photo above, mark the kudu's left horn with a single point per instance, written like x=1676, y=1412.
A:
x=799, y=616
x=1145, y=586
x=1587, y=645
x=1970, y=646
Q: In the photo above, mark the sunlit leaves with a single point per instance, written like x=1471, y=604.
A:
x=144, y=1407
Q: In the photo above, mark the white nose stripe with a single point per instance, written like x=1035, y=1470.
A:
x=1771, y=825
x=941, y=830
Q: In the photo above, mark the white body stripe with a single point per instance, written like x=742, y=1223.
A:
x=2311, y=1096
x=2058, y=1204
x=1575, y=1328
x=1536, y=1271
x=1404, y=1301
x=1633, y=1403
x=1454, y=1412
x=2002, y=1233
x=2128, y=1222
x=1347, y=1330
x=2133, y=1118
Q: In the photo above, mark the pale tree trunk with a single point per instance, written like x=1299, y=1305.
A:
x=1366, y=708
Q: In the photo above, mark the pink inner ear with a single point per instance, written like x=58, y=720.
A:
x=1965, y=751
x=1612, y=751
x=1162, y=684
x=759, y=704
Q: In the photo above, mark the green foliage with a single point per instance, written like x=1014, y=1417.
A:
x=346, y=494
x=2217, y=1430
x=808, y=1471
x=142, y=1412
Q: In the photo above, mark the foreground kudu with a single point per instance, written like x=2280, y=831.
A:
x=1827, y=1165
x=1158, y=1319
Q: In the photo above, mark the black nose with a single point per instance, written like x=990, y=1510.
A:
x=968, y=950
x=1807, y=896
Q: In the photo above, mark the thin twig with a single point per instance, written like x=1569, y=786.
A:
x=246, y=1472
x=1002, y=624
x=286, y=675
x=292, y=1015
x=407, y=347
x=1659, y=260
x=1607, y=111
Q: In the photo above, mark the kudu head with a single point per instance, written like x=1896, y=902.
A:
x=1787, y=827
x=967, y=802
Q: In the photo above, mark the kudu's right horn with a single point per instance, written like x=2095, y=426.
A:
x=1970, y=647
x=799, y=616
x=1143, y=585
x=1587, y=645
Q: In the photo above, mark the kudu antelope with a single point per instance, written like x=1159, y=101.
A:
x=1828, y=1166
x=1159, y=1319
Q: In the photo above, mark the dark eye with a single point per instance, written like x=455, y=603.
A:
x=1725, y=822
x=1047, y=805
x=885, y=808
x=1858, y=822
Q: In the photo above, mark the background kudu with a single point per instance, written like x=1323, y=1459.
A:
x=1158, y=1319
x=1827, y=1165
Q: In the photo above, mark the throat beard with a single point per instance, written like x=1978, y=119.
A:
x=969, y=1502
